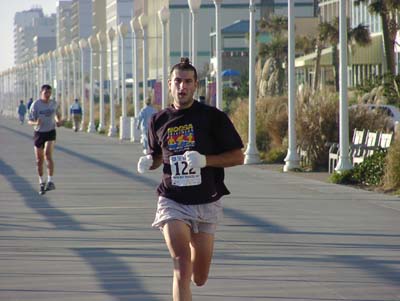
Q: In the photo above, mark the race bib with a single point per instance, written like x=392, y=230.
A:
x=182, y=174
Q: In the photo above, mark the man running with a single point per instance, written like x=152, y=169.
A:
x=194, y=142
x=44, y=117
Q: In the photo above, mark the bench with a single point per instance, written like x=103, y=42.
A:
x=373, y=143
x=363, y=145
x=334, y=150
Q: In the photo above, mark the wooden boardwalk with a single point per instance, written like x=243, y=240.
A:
x=283, y=237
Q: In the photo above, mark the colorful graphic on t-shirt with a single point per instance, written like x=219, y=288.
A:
x=181, y=137
x=46, y=112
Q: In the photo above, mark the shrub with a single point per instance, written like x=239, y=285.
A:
x=345, y=177
x=271, y=122
x=240, y=118
x=388, y=86
x=275, y=155
x=369, y=173
x=68, y=124
x=316, y=124
x=317, y=121
x=372, y=170
x=364, y=118
x=272, y=119
x=392, y=170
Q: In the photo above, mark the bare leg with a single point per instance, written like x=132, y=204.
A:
x=48, y=154
x=202, y=245
x=39, y=155
x=177, y=237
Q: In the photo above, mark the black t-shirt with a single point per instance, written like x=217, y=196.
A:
x=201, y=128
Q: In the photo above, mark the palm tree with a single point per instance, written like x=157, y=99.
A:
x=275, y=53
x=325, y=32
x=386, y=9
x=329, y=33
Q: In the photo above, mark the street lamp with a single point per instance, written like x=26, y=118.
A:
x=68, y=85
x=135, y=132
x=82, y=45
x=251, y=154
x=164, y=14
x=102, y=39
x=292, y=159
x=74, y=49
x=124, y=121
x=194, y=6
x=112, y=132
x=60, y=53
x=143, y=24
x=344, y=160
x=218, y=66
x=93, y=45
x=49, y=57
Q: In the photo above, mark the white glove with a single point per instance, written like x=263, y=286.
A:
x=195, y=159
x=144, y=163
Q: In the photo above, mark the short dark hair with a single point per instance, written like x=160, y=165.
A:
x=45, y=87
x=184, y=65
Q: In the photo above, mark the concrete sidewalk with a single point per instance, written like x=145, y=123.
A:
x=284, y=237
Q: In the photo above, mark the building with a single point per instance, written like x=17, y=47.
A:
x=28, y=25
x=34, y=35
x=120, y=12
x=99, y=24
x=234, y=37
x=81, y=19
x=303, y=8
x=64, y=23
x=363, y=62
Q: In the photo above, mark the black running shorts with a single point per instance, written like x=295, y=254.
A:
x=40, y=138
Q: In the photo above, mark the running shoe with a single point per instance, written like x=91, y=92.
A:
x=50, y=186
x=42, y=189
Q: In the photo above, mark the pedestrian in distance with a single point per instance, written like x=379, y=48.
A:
x=44, y=117
x=76, y=113
x=143, y=122
x=194, y=142
x=21, y=112
x=29, y=104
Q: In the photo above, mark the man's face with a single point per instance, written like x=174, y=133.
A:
x=45, y=94
x=182, y=86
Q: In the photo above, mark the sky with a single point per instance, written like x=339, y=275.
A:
x=7, y=12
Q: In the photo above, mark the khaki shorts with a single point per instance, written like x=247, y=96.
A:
x=200, y=218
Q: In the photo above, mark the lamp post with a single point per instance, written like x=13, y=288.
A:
x=143, y=24
x=112, y=131
x=82, y=46
x=42, y=59
x=62, y=86
x=135, y=132
x=164, y=14
x=68, y=85
x=74, y=48
x=49, y=58
x=251, y=154
x=32, y=78
x=55, y=75
x=28, y=78
x=102, y=39
x=194, y=6
x=292, y=159
x=344, y=160
x=33, y=82
x=124, y=120
x=26, y=88
x=218, y=67
x=93, y=45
